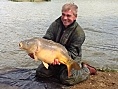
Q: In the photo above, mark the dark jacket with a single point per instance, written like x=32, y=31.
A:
x=71, y=37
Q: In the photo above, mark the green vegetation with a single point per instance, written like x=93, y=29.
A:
x=29, y=0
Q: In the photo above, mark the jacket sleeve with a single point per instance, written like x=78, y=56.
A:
x=74, y=48
x=50, y=32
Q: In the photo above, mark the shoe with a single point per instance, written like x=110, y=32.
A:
x=92, y=70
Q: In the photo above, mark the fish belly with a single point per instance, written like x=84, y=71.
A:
x=47, y=56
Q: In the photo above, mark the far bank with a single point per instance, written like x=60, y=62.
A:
x=29, y=0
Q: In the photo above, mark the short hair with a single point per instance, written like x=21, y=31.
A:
x=70, y=6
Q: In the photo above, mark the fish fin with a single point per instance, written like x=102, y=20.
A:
x=76, y=66
x=35, y=57
x=69, y=68
x=46, y=65
x=35, y=52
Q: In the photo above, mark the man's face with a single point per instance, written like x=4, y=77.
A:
x=68, y=17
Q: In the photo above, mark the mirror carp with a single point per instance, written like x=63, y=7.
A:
x=48, y=50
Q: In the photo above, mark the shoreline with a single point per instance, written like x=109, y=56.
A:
x=102, y=80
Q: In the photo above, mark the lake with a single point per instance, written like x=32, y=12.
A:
x=23, y=20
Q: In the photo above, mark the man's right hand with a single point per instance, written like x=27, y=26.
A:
x=31, y=55
x=56, y=62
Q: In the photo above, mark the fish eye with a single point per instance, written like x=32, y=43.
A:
x=20, y=44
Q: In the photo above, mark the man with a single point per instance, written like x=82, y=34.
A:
x=66, y=31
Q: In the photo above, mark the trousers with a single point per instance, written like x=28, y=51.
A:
x=60, y=72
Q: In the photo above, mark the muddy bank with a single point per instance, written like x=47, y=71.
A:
x=103, y=80
x=26, y=79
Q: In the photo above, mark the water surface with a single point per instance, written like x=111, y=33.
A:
x=23, y=20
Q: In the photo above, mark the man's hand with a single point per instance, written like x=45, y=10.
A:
x=56, y=62
x=31, y=55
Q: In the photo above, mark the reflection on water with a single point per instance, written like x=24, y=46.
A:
x=22, y=20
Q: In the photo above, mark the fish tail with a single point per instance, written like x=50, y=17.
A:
x=69, y=68
x=76, y=66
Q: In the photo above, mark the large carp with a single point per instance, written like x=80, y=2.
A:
x=47, y=50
